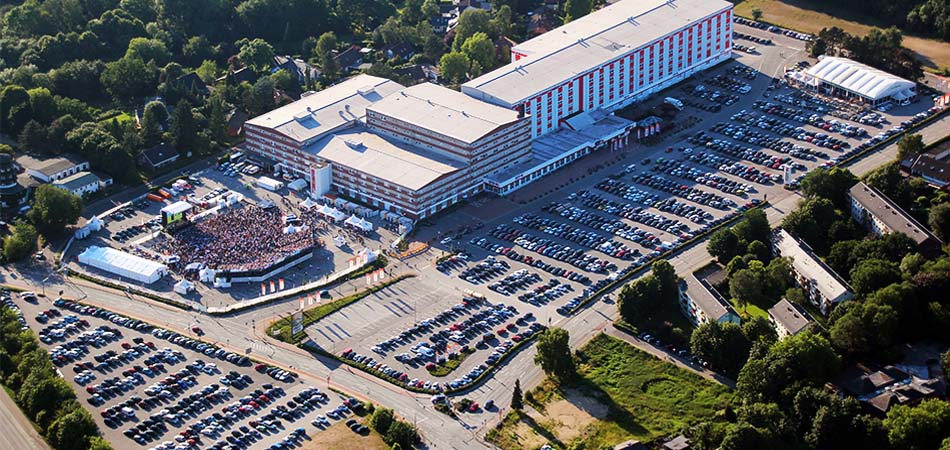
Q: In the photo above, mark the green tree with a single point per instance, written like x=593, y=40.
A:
x=910, y=146
x=430, y=8
x=554, y=354
x=148, y=50
x=54, y=208
x=939, y=221
x=724, y=346
x=921, y=427
x=153, y=121
x=260, y=97
x=666, y=276
x=479, y=48
x=746, y=437
x=257, y=54
x=207, y=71
x=381, y=420
x=756, y=14
x=183, y=127
x=402, y=434
x=454, y=66
x=754, y=226
x=759, y=249
x=873, y=274
x=796, y=295
x=759, y=329
x=638, y=301
x=98, y=443
x=746, y=287
x=723, y=245
x=15, y=109
x=865, y=328
x=217, y=122
x=798, y=361
x=517, y=402
x=43, y=105
x=21, y=243
x=831, y=184
x=736, y=264
x=575, y=9
x=127, y=79
x=472, y=20
x=324, y=52
x=34, y=138
x=811, y=222
x=71, y=431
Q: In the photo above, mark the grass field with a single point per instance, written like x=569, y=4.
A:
x=812, y=16
x=338, y=436
x=750, y=310
x=122, y=118
x=623, y=393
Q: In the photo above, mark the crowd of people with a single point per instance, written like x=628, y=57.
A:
x=242, y=239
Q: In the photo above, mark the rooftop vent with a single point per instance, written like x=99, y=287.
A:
x=353, y=144
x=366, y=90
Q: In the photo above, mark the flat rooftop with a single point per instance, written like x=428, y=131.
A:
x=807, y=264
x=888, y=212
x=589, y=42
x=792, y=317
x=385, y=158
x=322, y=112
x=445, y=111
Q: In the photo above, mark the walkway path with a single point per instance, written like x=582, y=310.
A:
x=16, y=431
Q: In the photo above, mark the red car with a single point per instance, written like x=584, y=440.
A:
x=473, y=408
x=197, y=330
x=262, y=367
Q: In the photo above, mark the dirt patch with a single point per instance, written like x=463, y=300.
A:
x=339, y=436
x=524, y=436
x=571, y=417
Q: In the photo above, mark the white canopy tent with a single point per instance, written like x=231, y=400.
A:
x=297, y=185
x=308, y=203
x=123, y=264
x=357, y=222
x=206, y=275
x=332, y=213
x=183, y=287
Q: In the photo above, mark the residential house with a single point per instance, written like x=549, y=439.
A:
x=822, y=286
x=879, y=390
x=349, y=59
x=296, y=67
x=789, y=318
x=236, y=119
x=880, y=215
x=81, y=184
x=239, y=76
x=157, y=157
x=935, y=171
x=700, y=303
x=52, y=169
x=417, y=73
x=400, y=51
x=541, y=20
x=191, y=82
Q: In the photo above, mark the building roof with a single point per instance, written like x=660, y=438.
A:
x=586, y=43
x=76, y=181
x=387, y=159
x=678, y=443
x=295, y=66
x=632, y=444
x=445, y=111
x=809, y=266
x=792, y=317
x=932, y=169
x=350, y=57
x=160, y=153
x=400, y=49
x=322, y=112
x=177, y=208
x=712, y=305
x=889, y=213
x=49, y=166
x=861, y=79
x=191, y=81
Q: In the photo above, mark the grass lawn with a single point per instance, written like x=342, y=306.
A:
x=623, y=393
x=122, y=118
x=750, y=310
x=811, y=16
x=339, y=436
x=441, y=370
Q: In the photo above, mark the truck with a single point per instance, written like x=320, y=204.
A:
x=675, y=102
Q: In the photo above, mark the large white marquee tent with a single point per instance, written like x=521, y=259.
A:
x=124, y=264
x=860, y=80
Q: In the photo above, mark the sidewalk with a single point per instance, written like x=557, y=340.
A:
x=16, y=431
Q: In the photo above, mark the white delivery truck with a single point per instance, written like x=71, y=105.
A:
x=675, y=102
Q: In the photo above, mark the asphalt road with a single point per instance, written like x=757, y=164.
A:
x=16, y=431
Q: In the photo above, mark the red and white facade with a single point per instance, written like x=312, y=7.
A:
x=591, y=63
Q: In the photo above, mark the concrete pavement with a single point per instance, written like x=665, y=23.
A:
x=16, y=431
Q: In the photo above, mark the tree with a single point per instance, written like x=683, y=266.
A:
x=723, y=244
x=21, y=243
x=34, y=138
x=43, y=105
x=746, y=287
x=738, y=263
x=324, y=52
x=98, y=443
x=756, y=14
x=724, y=346
x=873, y=274
x=430, y=8
x=759, y=329
x=939, y=221
x=381, y=420
x=54, y=208
x=796, y=295
x=454, y=65
x=638, y=301
x=15, y=109
x=811, y=222
x=798, y=361
x=575, y=9
x=148, y=50
x=129, y=78
x=830, y=184
x=257, y=54
x=921, y=427
x=70, y=431
x=666, y=276
x=259, y=98
x=472, y=20
x=479, y=49
x=217, y=123
x=402, y=434
x=517, y=403
x=754, y=226
x=745, y=437
x=866, y=328
x=910, y=146
x=759, y=249
x=554, y=354
x=153, y=122
x=183, y=127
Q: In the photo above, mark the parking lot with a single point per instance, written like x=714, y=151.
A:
x=151, y=388
x=131, y=228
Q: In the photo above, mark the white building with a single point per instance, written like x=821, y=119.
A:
x=123, y=264
x=822, y=285
x=80, y=183
x=52, y=169
x=850, y=79
x=880, y=215
x=788, y=318
x=700, y=305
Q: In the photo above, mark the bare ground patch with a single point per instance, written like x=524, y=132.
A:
x=572, y=416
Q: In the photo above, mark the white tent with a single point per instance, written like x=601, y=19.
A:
x=82, y=233
x=235, y=197
x=221, y=283
x=332, y=213
x=290, y=229
x=357, y=222
x=123, y=264
x=206, y=275
x=94, y=224
x=183, y=287
x=308, y=203
x=297, y=185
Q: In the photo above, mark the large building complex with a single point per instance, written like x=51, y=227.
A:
x=417, y=150
x=822, y=286
x=879, y=215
